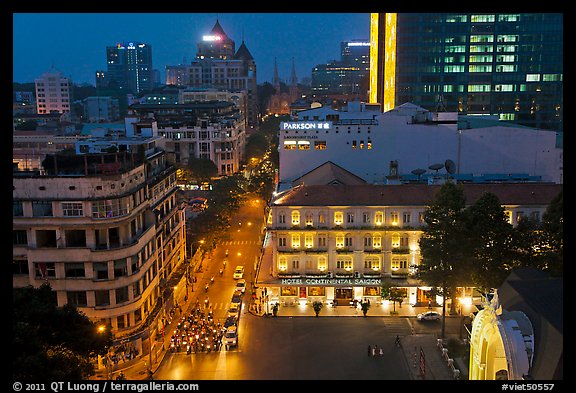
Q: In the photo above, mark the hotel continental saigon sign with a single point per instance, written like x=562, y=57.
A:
x=332, y=281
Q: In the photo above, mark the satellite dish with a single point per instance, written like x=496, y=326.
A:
x=418, y=172
x=450, y=166
x=436, y=167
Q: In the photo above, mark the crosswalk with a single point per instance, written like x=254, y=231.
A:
x=241, y=242
x=399, y=326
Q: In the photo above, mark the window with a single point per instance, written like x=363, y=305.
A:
x=322, y=264
x=282, y=241
x=338, y=218
x=365, y=218
x=295, y=218
x=74, y=269
x=281, y=218
x=367, y=241
x=295, y=264
x=44, y=270
x=308, y=241
x=377, y=241
x=282, y=264
x=102, y=298
x=395, y=240
x=296, y=241
x=372, y=263
x=72, y=209
x=348, y=241
x=322, y=241
x=290, y=145
x=406, y=218
x=344, y=263
x=321, y=218
x=399, y=263
x=320, y=145
x=20, y=237
x=120, y=268
x=100, y=270
x=379, y=218
x=339, y=241
x=394, y=218
x=121, y=295
x=41, y=209
x=110, y=208
x=20, y=266
x=309, y=220
x=350, y=218
x=77, y=298
x=17, y=210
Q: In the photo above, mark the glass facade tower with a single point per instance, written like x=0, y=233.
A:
x=506, y=65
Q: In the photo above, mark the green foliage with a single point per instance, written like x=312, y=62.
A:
x=317, y=305
x=50, y=342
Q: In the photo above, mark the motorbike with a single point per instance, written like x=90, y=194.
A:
x=226, y=255
x=206, y=288
x=221, y=271
x=212, y=280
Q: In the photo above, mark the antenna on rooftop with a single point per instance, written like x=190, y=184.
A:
x=419, y=172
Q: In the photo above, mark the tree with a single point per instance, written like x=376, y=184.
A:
x=317, y=307
x=489, y=244
x=441, y=244
x=393, y=294
x=553, y=236
x=201, y=169
x=50, y=342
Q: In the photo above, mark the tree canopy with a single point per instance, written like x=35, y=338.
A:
x=50, y=342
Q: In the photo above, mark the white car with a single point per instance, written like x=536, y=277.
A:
x=429, y=316
x=238, y=272
x=230, y=338
x=241, y=285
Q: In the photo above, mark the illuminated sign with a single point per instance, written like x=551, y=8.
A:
x=358, y=44
x=211, y=38
x=332, y=281
x=305, y=125
x=131, y=46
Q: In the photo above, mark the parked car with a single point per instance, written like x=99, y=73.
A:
x=230, y=338
x=429, y=316
x=231, y=321
x=236, y=298
x=241, y=285
x=238, y=272
x=234, y=310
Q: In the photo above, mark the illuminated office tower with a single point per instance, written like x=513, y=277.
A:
x=130, y=67
x=506, y=65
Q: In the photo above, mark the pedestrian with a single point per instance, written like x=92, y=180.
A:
x=381, y=351
x=369, y=350
x=375, y=350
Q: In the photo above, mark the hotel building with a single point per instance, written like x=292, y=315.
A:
x=505, y=64
x=342, y=242
x=53, y=93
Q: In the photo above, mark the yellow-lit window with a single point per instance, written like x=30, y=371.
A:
x=377, y=241
x=295, y=218
x=309, y=220
x=395, y=240
x=394, y=218
x=508, y=215
x=372, y=263
x=322, y=266
x=379, y=218
x=295, y=241
x=282, y=264
x=339, y=241
x=308, y=241
x=338, y=218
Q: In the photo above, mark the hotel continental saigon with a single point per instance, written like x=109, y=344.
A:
x=343, y=242
x=105, y=231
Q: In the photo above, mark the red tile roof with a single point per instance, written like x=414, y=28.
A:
x=413, y=194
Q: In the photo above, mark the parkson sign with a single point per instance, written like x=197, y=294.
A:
x=305, y=125
x=332, y=281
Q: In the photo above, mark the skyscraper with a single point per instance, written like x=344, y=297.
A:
x=508, y=65
x=130, y=67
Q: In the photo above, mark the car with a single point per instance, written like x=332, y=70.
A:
x=429, y=316
x=230, y=338
x=241, y=285
x=236, y=298
x=231, y=321
x=234, y=310
x=238, y=272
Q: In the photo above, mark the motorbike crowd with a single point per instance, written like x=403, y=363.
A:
x=198, y=331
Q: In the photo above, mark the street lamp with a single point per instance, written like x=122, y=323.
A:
x=103, y=329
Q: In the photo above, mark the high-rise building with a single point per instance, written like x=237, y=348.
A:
x=130, y=67
x=347, y=75
x=504, y=64
x=219, y=66
x=53, y=92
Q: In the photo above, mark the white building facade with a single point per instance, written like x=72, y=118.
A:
x=364, y=141
x=53, y=92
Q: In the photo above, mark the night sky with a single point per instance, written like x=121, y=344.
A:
x=75, y=43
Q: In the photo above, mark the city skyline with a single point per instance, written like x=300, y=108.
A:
x=308, y=38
